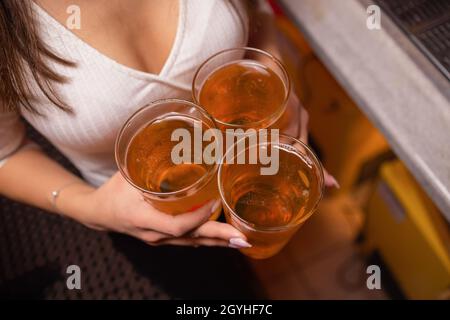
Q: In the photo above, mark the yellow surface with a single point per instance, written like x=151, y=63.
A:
x=403, y=185
x=407, y=237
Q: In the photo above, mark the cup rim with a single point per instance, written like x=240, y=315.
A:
x=257, y=228
x=278, y=113
x=205, y=179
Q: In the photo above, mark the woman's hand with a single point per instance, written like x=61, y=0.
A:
x=117, y=206
x=294, y=122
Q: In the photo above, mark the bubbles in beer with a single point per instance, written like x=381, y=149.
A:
x=243, y=92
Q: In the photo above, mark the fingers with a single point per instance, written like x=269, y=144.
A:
x=193, y=242
x=304, y=119
x=297, y=119
x=212, y=233
x=223, y=231
x=150, y=218
x=289, y=123
x=218, y=230
x=329, y=180
x=150, y=236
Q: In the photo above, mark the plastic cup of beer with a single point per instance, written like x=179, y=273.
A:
x=144, y=157
x=269, y=209
x=242, y=88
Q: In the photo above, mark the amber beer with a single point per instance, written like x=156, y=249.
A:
x=144, y=156
x=269, y=209
x=242, y=88
x=242, y=92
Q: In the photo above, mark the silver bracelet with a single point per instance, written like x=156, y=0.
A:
x=55, y=194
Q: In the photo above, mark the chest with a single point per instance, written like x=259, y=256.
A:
x=122, y=30
x=104, y=91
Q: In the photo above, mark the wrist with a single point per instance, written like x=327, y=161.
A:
x=76, y=202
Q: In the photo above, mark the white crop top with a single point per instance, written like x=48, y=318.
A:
x=104, y=93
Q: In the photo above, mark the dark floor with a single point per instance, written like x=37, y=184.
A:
x=36, y=248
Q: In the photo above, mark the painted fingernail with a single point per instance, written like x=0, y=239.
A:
x=216, y=206
x=239, y=243
x=335, y=183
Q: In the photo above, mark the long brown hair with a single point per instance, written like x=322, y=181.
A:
x=24, y=57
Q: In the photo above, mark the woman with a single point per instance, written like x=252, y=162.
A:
x=77, y=87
